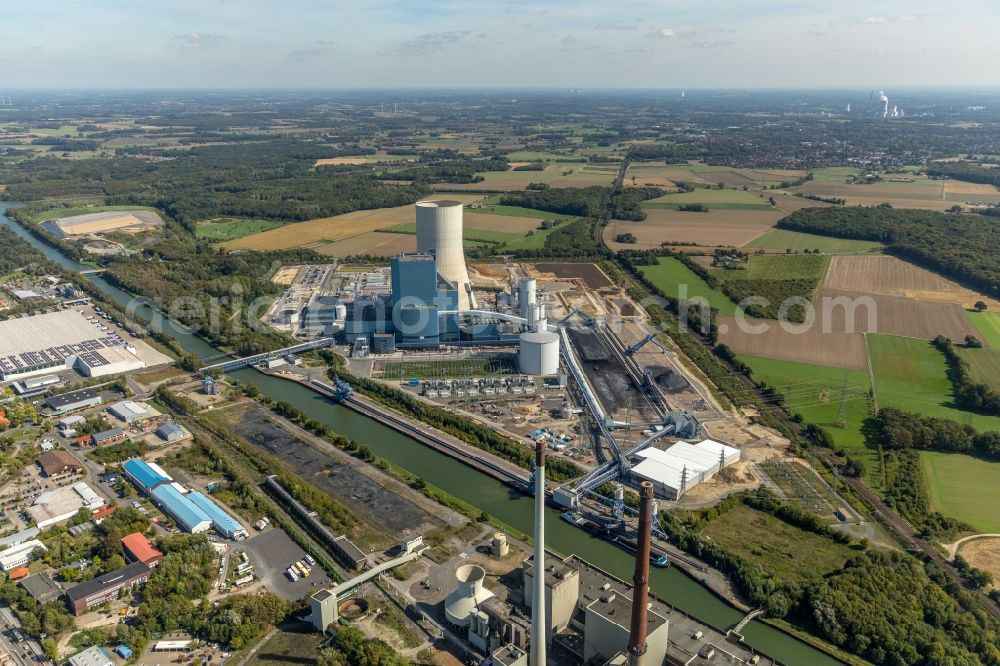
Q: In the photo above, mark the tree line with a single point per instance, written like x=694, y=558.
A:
x=595, y=201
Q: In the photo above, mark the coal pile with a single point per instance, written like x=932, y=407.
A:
x=669, y=380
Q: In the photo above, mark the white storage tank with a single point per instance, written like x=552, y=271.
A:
x=538, y=353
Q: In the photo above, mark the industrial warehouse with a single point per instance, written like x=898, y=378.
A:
x=192, y=510
x=68, y=340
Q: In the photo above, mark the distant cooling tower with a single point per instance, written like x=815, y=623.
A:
x=439, y=230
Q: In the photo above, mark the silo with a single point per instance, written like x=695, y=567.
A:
x=439, y=231
x=526, y=291
x=538, y=353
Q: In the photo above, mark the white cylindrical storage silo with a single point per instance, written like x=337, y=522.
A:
x=526, y=291
x=439, y=231
x=340, y=311
x=538, y=353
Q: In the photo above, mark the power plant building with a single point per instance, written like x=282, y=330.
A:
x=419, y=293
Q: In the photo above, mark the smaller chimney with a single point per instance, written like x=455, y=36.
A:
x=640, y=592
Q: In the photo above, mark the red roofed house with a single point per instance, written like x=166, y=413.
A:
x=4, y=421
x=98, y=516
x=18, y=573
x=138, y=549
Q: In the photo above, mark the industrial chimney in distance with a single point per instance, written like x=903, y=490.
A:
x=640, y=591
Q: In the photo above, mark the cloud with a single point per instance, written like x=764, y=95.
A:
x=198, y=40
x=312, y=52
x=909, y=18
x=326, y=41
x=816, y=33
x=667, y=32
x=425, y=44
x=873, y=20
x=716, y=44
x=615, y=25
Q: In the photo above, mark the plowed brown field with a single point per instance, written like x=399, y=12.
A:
x=836, y=350
x=714, y=228
x=889, y=276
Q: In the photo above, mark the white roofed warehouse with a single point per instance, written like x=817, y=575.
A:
x=682, y=466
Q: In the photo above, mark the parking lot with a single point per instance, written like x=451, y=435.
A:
x=271, y=552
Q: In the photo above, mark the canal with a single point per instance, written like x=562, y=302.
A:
x=471, y=486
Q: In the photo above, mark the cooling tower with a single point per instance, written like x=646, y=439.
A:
x=439, y=230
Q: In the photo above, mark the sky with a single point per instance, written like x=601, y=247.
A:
x=489, y=43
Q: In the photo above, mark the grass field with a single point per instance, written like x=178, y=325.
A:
x=964, y=488
x=988, y=325
x=782, y=239
x=669, y=273
x=911, y=374
x=555, y=175
x=81, y=210
x=502, y=364
x=225, y=229
x=287, y=648
x=775, y=546
x=712, y=198
x=62, y=130
x=778, y=267
x=518, y=211
x=984, y=365
x=814, y=391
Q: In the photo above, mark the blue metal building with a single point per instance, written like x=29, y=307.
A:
x=142, y=475
x=189, y=516
x=223, y=523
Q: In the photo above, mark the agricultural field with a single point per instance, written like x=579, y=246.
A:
x=230, y=228
x=515, y=211
x=888, y=276
x=890, y=315
x=912, y=375
x=469, y=234
x=713, y=199
x=555, y=175
x=783, y=239
x=711, y=229
x=988, y=325
x=494, y=364
x=696, y=173
x=775, y=546
x=964, y=488
x=900, y=190
x=832, y=349
x=815, y=391
x=983, y=554
x=355, y=160
x=984, y=365
x=778, y=267
x=670, y=273
x=373, y=243
x=62, y=130
x=324, y=230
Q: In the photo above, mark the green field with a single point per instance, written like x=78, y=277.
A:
x=474, y=235
x=775, y=546
x=778, y=267
x=232, y=228
x=518, y=211
x=910, y=374
x=988, y=324
x=814, y=391
x=794, y=240
x=81, y=210
x=670, y=272
x=964, y=488
x=63, y=130
x=984, y=365
x=727, y=199
x=495, y=364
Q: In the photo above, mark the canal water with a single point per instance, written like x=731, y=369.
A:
x=471, y=486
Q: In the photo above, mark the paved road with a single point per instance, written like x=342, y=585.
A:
x=15, y=643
